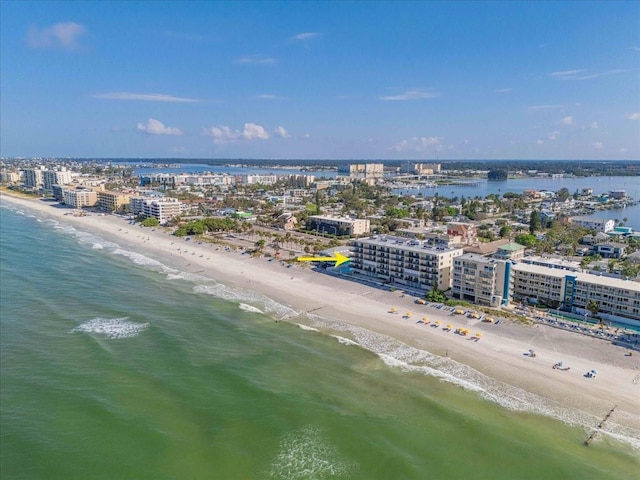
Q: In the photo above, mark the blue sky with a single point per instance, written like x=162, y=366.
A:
x=314, y=80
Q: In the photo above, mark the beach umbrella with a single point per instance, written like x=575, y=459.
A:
x=425, y=319
x=393, y=310
x=449, y=326
x=438, y=322
x=408, y=314
x=478, y=334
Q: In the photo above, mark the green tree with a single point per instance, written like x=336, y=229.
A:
x=436, y=296
x=593, y=307
x=526, y=239
x=535, y=223
x=150, y=222
x=505, y=231
x=563, y=193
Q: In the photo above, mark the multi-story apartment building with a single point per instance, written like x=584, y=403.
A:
x=112, y=201
x=256, y=179
x=163, y=209
x=405, y=262
x=362, y=170
x=597, y=224
x=55, y=177
x=32, y=177
x=7, y=176
x=171, y=180
x=573, y=290
x=339, y=226
x=481, y=280
x=79, y=198
x=420, y=168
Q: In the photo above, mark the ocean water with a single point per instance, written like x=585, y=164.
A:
x=114, y=365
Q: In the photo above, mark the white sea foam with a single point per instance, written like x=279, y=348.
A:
x=345, y=341
x=112, y=328
x=398, y=355
x=307, y=454
x=269, y=306
x=249, y=308
x=97, y=246
x=307, y=328
x=139, y=259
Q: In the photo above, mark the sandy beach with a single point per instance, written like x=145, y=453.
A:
x=499, y=354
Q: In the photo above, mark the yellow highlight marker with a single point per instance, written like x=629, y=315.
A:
x=338, y=258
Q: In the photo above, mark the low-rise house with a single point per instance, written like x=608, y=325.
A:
x=610, y=250
x=597, y=224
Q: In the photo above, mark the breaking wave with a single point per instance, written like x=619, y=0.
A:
x=397, y=354
x=112, y=328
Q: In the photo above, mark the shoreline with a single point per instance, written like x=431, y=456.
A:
x=336, y=304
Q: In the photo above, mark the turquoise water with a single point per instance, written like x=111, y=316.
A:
x=117, y=366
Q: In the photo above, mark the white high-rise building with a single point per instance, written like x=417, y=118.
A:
x=405, y=262
x=55, y=177
x=163, y=209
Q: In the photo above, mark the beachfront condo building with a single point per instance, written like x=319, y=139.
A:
x=339, y=226
x=112, y=201
x=481, y=280
x=572, y=291
x=32, y=177
x=163, y=209
x=55, y=177
x=409, y=263
x=79, y=198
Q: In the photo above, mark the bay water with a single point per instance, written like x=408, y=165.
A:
x=114, y=365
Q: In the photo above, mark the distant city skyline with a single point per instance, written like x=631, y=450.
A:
x=420, y=81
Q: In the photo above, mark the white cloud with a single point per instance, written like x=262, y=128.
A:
x=412, y=95
x=566, y=120
x=567, y=74
x=419, y=144
x=64, y=35
x=544, y=107
x=253, y=131
x=553, y=136
x=540, y=142
x=597, y=145
x=281, y=132
x=581, y=74
x=305, y=36
x=265, y=96
x=156, y=127
x=224, y=134
x=623, y=150
x=504, y=90
x=633, y=116
x=256, y=60
x=144, y=97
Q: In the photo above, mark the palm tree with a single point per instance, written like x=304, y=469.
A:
x=593, y=307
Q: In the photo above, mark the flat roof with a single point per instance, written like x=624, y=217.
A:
x=580, y=276
x=405, y=244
